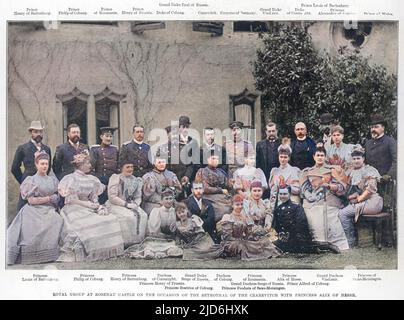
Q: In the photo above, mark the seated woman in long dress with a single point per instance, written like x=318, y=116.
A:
x=284, y=174
x=241, y=238
x=124, y=198
x=33, y=236
x=321, y=191
x=155, y=182
x=243, y=177
x=363, y=196
x=160, y=240
x=256, y=207
x=259, y=210
x=216, y=186
x=193, y=239
x=90, y=233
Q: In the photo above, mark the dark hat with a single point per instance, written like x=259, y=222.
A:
x=184, y=121
x=125, y=160
x=326, y=118
x=236, y=124
x=107, y=130
x=377, y=119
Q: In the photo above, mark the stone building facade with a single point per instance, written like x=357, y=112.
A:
x=120, y=73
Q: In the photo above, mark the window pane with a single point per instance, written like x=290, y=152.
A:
x=77, y=113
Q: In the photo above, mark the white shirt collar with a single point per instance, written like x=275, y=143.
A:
x=138, y=142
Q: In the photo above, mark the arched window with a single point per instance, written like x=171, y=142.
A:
x=107, y=112
x=242, y=108
x=75, y=111
x=91, y=112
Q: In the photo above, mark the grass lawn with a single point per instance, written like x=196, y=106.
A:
x=359, y=258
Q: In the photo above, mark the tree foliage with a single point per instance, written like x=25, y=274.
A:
x=298, y=83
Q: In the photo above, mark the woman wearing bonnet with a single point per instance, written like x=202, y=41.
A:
x=33, y=236
x=90, y=233
x=124, y=198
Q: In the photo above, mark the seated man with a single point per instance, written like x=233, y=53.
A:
x=202, y=208
x=291, y=224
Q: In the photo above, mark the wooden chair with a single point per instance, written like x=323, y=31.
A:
x=388, y=215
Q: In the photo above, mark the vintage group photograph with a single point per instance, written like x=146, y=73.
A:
x=201, y=145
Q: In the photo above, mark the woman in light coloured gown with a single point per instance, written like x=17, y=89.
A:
x=155, y=181
x=242, y=238
x=339, y=153
x=363, y=195
x=285, y=174
x=33, y=236
x=192, y=238
x=160, y=241
x=321, y=190
x=243, y=177
x=124, y=198
x=90, y=233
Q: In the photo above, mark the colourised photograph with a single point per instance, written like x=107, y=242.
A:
x=202, y=145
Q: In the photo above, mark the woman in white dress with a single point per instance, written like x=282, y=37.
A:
x=124, y=198
x=285, y=174
x=160, y=240
x=33, y=236
x=243, y=177
x=90, y=233
x=339, y=153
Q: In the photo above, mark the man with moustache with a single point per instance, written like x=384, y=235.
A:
x=303, y=148
x=267, y=150
x=64, y=155
x=381, y=150
x=197, y=205
x=138, y=151
x=104, y=159
x=209, y=146
x=25, y=155
x=189, y=152
x=237, y=149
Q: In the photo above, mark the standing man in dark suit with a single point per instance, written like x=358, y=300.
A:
x=267, y=150
x=189, y=157
x=303, y=148
x=137, y=151
x=104, y=160
x=62, y=161
x=203, y=209
x=211, y=146
x=381, y=150
x=25, y=155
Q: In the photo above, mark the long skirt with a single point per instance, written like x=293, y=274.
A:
x=88, y=236
x=33, y=236
x=325, y=227
x=251, y=250
x=202, y=248
x=221, y=203
x=154, y=247
x=133, y=223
